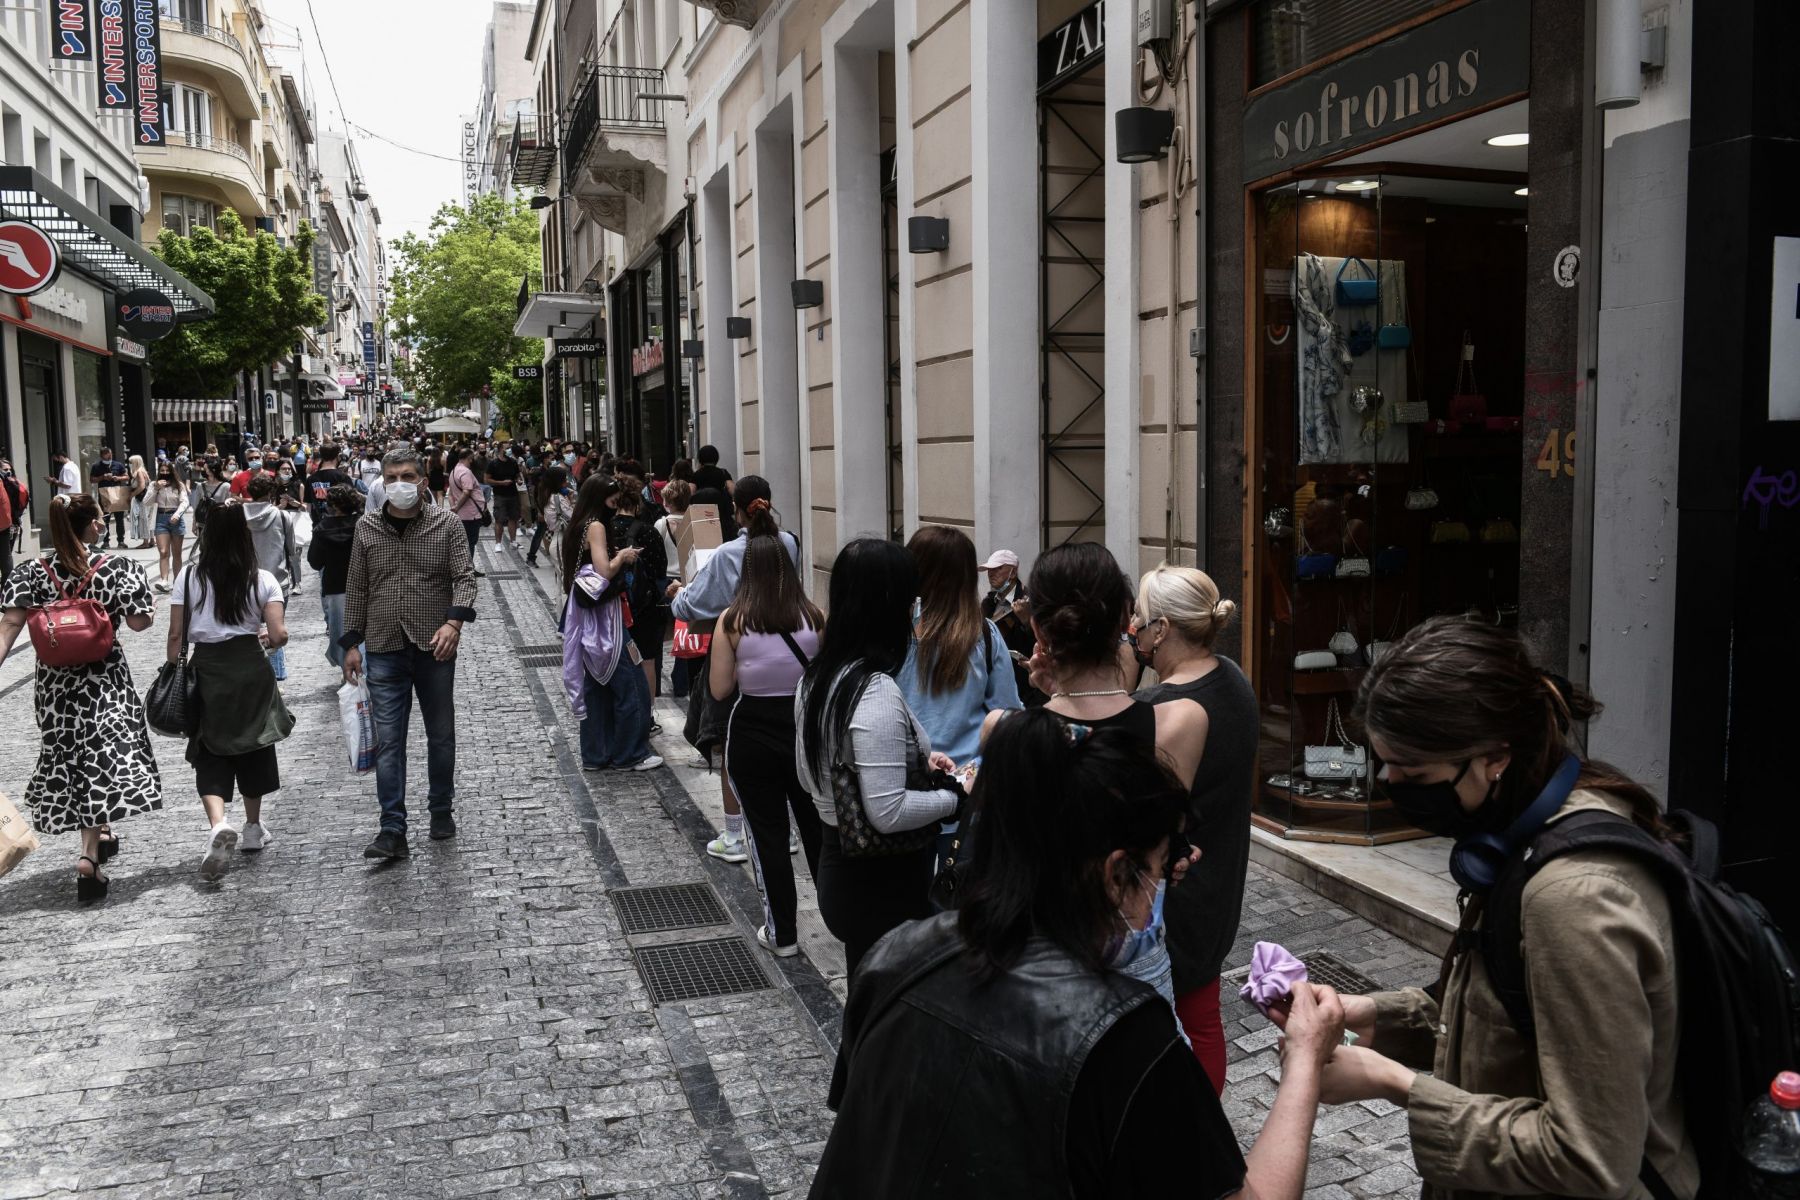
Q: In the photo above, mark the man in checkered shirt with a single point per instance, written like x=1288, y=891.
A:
x=410, y=590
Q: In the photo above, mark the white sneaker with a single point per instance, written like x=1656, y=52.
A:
x=728, y=848
x=256, y=836
x=793, y=842
x=762, y=939
x=220, y=842
x=649, y=764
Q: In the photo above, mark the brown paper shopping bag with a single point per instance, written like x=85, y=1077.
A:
x=16, y=836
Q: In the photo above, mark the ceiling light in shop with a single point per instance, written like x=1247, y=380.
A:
x=1359, y=185
x=1524, y=191
x=1510, y=139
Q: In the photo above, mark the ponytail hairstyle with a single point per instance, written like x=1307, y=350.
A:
x=1080, y=602
x=1051, y=804
x=950, y=620
x=872, y=587
x=1188, y=600
x=1452, y=689
x=755, y=509
x=70, y=517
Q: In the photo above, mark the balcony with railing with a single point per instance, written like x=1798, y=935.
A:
x=533, y=151
x=613, y=133
x=215, y=162
x=218, y=52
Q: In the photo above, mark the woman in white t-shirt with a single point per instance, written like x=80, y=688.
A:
x=233, y=613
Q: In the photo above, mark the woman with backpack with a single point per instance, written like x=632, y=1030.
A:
x=1478, y=746
x=234, y=613
x=214, y=490
x=96, y=765
x=760, y=651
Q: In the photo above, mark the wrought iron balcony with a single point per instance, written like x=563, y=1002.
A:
x=617, y=98
x=533, y=150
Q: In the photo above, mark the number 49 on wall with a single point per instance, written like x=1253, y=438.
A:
x=1553, y=464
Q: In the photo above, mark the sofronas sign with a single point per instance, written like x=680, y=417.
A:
x=1471, y=58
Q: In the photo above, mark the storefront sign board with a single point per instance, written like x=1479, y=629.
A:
x=146, y=313
x=74, y=34
x=1072, y=47
x=29, y=258
x=1467, y=59
x=647, y=358
x=115, y=78
x=583, y=349
x=146, y=71
x=534, y=371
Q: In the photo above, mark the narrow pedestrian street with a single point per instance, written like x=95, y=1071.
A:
x=474, y=1021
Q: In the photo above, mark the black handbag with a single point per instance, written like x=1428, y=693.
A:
x=857, y=835
x=172, y=705
x=946, y=885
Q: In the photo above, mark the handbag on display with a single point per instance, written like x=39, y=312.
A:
x=1279, y=523
x=1314, y=565
x=1420, y=499
x=1374, y=650
x=1499, y=531
x=1343, y=642
x=172, y=705
x=1449, y=533
x=72, y=630
x=1315, y=660
x=1397, y=335
x=1361, y=339
x=1342, y=760
x=1352, y=567
x=1355, y=291
x=1467, y=406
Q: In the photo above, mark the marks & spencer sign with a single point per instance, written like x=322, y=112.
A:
x=1466, y=59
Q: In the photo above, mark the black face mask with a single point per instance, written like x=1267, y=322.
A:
x=1437, y=808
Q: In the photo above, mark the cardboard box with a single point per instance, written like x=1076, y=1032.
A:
x=701, y=534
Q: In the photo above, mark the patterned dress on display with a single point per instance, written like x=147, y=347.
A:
x=96, y=765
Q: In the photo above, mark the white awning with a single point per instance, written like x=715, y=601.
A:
x=557, y=314
x=194, y=412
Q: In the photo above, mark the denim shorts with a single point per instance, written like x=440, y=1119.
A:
x=164, y=524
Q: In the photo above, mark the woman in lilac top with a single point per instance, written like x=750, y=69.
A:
x=761, y=649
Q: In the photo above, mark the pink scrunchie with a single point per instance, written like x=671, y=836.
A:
x=1273, y=974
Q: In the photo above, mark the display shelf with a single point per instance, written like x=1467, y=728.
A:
x=1327, y=683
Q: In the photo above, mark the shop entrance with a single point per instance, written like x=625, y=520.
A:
x=41, y=408
x=1072, y=305
x=1387, y=334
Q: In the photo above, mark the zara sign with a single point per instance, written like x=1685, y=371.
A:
x=1470, y=58
x=1072, y=47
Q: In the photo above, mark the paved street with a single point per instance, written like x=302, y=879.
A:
x=469, y=1022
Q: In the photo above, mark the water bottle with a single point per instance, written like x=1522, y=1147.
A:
x=1769, y=1145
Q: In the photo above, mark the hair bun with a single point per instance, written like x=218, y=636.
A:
x=1224, y=610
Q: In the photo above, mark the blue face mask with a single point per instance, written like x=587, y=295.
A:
x=569, y=459
x=1143, y=954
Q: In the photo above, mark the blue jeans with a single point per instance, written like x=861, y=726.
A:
x=334, y=627
x=616, y=730
x=278, y=662
x=393, y=678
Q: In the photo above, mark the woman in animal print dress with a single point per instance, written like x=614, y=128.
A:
x=96, y=765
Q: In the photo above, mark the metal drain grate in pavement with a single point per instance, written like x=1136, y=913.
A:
x=690, y=970
x=1322, y=966
x=676, y=906
x=541, y=660
x=542, y=648
x=503, y=575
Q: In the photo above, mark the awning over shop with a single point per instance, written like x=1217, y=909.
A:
x=194, y=412
x=91, y=245
x=557, y=314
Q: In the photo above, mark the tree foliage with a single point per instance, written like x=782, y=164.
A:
x=455, y=300
x=262, y=296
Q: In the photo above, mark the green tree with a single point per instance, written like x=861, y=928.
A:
x=262, y=295
x=455, y=298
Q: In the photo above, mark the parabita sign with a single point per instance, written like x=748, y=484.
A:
x=1466, y=59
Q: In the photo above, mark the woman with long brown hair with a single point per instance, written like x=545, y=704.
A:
x=760, y=651
x=96, y=765
x=1478, y=745
x=600, y=671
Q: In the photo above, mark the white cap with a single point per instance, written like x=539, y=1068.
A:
x=1000, y=558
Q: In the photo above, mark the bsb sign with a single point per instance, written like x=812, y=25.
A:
x=1470, y=58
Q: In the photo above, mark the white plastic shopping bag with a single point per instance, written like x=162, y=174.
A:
x=358, y=719
x=303, y=529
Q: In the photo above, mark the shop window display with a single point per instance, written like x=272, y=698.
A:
x=1389, y=327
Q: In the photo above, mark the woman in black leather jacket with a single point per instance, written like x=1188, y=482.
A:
x=970, y=1036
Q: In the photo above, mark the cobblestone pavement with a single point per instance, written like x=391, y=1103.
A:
x=471, y=1021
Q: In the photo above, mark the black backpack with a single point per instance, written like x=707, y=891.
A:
x=1738, y=981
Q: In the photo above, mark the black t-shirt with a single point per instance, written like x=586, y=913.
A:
x=1203, y=912
x=319, y=485
x=504, y=474
x=711, y=477
x=1165, y=1135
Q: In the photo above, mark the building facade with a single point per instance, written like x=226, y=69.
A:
x=508, y=89
x=70, y=381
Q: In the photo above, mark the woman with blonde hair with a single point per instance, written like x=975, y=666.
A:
x=140, y=502
x=1178, y=616
x=96, y=765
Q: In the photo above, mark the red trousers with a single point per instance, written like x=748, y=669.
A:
x=1198, y=1012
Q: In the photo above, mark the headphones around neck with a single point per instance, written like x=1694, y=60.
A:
x=1476, y=861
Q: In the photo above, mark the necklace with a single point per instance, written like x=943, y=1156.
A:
x=1102, y=692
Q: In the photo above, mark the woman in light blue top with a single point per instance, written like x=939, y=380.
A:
x=957, y=668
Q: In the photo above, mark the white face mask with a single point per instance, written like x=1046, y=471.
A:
x=403, y=495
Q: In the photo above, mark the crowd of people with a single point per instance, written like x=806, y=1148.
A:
x=1025, y=806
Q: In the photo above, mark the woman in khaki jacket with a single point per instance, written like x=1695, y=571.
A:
x=1471, y=733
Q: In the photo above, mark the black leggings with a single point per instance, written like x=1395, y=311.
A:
x=537, y=539
x=862, y=898
x=759, y=758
